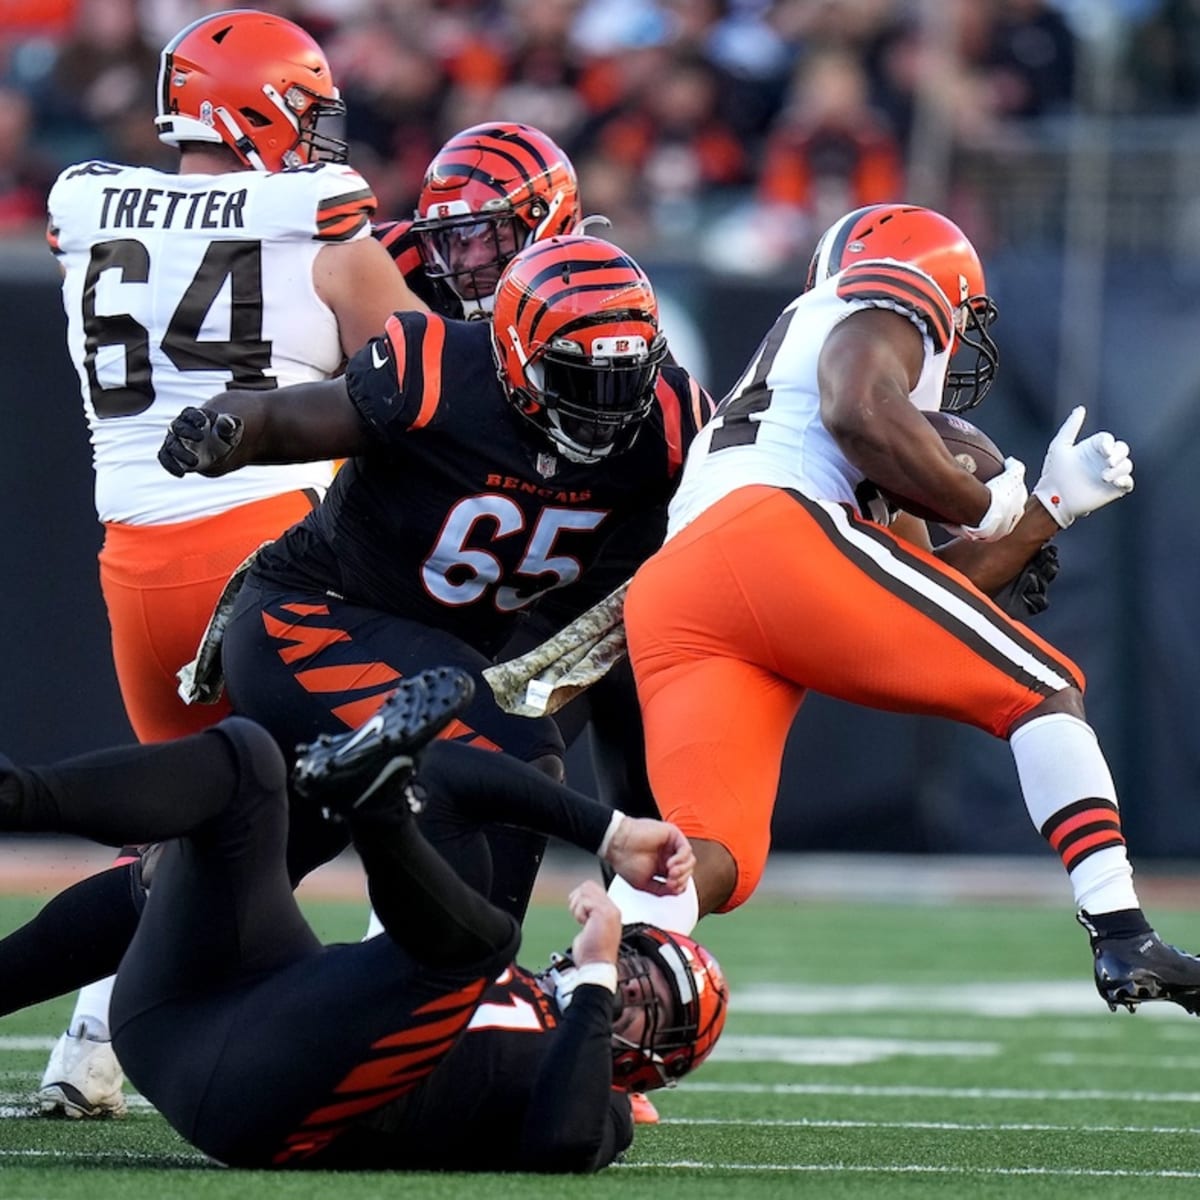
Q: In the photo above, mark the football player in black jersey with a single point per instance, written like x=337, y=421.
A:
x=490, y=191
x=489, y=463
x=425, y=1048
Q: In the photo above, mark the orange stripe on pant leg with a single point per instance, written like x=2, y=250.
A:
x=301, y=641
x=347, y=677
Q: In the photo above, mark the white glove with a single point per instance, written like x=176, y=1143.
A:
x=1008, y=503
x=1080, y=477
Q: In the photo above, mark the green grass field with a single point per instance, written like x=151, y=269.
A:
x=872, y=1051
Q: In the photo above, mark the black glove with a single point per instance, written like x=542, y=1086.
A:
x=1025, y=596
x=198, y=440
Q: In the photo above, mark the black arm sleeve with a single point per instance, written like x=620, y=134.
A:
x=576, y=1121
x=487, y=786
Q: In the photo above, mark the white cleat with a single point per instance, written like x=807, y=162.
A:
x=82, y=1079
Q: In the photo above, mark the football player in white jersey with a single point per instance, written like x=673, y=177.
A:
x=252, y=267
x=766, y=541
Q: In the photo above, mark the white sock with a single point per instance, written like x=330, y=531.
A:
x=678, y=914
x=1061, y=769
x=91, y=1009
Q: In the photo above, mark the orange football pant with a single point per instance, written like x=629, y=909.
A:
x=160, y=584
x=769, y=594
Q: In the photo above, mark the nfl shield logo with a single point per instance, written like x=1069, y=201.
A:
x=547, y=464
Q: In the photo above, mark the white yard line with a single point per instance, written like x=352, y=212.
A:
x=840, y=1168
x=933, y=1126
x=942, y=1093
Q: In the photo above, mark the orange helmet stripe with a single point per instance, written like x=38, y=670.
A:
x=905, y=286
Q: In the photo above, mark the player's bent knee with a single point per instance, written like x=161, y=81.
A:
x=260, y=761
x=1069, y=701
x=551, y=765
x=716, y=875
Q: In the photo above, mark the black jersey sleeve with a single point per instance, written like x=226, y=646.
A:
x=395, y=381
x=683, y=407
x=487, y=786
x=575, y=1120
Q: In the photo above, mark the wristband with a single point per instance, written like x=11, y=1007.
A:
x=606, y=841
x=603, y=974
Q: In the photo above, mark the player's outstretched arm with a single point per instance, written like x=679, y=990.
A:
x=306, y=422
x=487, y=786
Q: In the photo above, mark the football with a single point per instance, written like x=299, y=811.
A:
x=969, y=445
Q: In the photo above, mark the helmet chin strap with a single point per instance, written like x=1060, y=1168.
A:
x=241, y=139
x=478, y=309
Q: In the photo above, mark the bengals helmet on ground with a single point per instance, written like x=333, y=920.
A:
x=490, y=191
x=576, y=343
x=677, y=1041
x=253, y=81
x=938, y=247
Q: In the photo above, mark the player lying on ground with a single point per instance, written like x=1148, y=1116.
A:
x=426, y=1047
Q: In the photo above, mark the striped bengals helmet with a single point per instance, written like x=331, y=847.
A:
x=672, y=1041
x=937, y=246
x=253, y=81
x=490, y=191
x=576, y=342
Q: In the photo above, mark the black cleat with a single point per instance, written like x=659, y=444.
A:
x=1140, y=967
x=342, y=771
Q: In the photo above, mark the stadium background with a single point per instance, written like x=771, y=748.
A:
x=720, y=138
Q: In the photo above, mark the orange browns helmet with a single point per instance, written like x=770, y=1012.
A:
x=253, y=81
x=490, y=191
x=936, y=246
x=672, y=1043
x=577, y=346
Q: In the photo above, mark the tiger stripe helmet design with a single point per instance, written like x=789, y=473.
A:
x=906, y=233
x=490, y=191
x=253, y=81
x=671, y=1044
x=577, y=346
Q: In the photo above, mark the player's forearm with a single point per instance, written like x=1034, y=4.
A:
x=491, y=787
x=574, y=1122
x=306, y=422
x=990, y=565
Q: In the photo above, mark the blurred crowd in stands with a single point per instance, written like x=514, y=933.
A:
x=732, y=129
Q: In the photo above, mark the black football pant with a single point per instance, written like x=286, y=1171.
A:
x=303, y=663
x=229, y=1015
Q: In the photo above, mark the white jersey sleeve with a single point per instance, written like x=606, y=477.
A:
x=768, y=429
x=177, y=287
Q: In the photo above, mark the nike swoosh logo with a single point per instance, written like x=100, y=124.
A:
x=379, y=360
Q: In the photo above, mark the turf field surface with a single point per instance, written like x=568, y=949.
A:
x=874, y=1049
